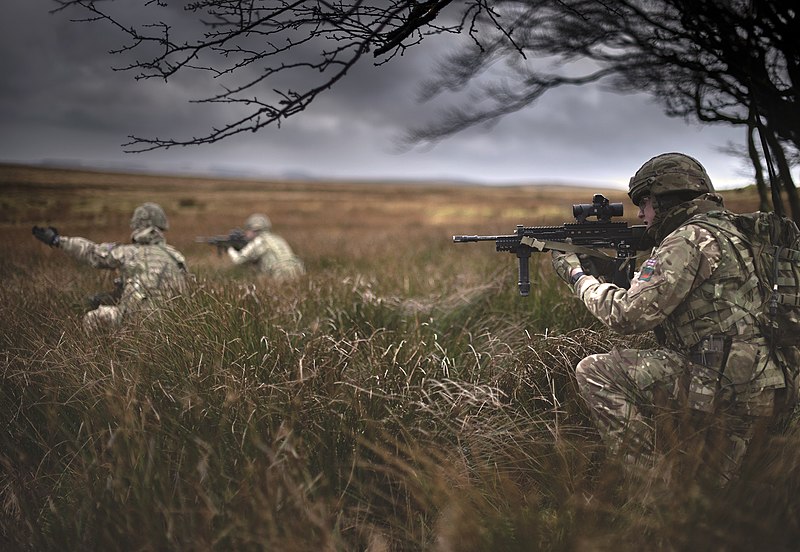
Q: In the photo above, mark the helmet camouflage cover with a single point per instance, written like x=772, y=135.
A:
x=149, y=214
x=667, y=173
x=257, y=222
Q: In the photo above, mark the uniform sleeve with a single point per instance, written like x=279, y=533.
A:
x=681, y=262
x=178, y=257
x=99, y=255
x=249, y=253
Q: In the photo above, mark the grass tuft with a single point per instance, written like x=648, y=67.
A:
x=402, y=396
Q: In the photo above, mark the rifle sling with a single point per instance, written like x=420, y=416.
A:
x=543, y=245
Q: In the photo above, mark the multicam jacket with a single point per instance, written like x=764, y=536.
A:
x=149, y=268
x=271, y=254
x=696, y=285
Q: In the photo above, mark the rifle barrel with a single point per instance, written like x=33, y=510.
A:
x=465, y=239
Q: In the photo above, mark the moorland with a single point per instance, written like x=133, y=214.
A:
x=400, y=396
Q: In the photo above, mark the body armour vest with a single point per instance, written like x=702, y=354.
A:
x=723, y=309
x=149, y=271
x=275, y=256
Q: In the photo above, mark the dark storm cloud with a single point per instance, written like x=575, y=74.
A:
x=60, y=99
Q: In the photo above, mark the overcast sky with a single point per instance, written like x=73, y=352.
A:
x=61, y=102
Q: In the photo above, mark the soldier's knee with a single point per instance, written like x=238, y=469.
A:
x=586, y=369
x=102, y=317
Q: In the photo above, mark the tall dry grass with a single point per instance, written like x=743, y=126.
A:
x=399, y=397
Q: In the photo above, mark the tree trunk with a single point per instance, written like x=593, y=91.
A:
x=785, y=174
x=755, y=158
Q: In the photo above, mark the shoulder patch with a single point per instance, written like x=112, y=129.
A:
x=648, y=268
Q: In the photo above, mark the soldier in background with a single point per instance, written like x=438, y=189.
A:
x=149, y=269
x=697, y=292
x=266, y=251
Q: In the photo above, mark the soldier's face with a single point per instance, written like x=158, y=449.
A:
x=646, y=211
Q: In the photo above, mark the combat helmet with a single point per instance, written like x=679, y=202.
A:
x=257, y=222
x=149, y=214
x=669, y=173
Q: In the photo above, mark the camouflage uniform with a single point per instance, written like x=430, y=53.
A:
x=270, y=253
x=698, y=292
x=149, y=269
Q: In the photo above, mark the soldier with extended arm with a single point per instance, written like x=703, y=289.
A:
x=149, y=268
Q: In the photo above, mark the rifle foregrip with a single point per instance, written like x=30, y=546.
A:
x=524, y=276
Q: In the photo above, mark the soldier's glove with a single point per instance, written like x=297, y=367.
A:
x=564, y=263
x=47, y=235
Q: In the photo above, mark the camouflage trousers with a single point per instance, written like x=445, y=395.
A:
x=638, y=400
x=287, y=270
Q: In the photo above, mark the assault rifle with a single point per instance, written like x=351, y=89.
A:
x=584, y=237
x=235, y=239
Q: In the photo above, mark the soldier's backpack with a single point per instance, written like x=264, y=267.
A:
x=775, y=244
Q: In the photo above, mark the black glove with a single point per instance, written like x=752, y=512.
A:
x=599, y=267
x=47, y=235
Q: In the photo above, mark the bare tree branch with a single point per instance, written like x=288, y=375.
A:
x=254, y=48
x=709, y=61
x=713, y=61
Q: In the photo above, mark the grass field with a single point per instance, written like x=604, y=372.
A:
x=401, y=396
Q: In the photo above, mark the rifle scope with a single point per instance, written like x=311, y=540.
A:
x=599, y=207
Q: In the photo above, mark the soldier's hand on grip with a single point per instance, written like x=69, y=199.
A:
x=563, y=263
x=598, y=267
x=47, y=235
